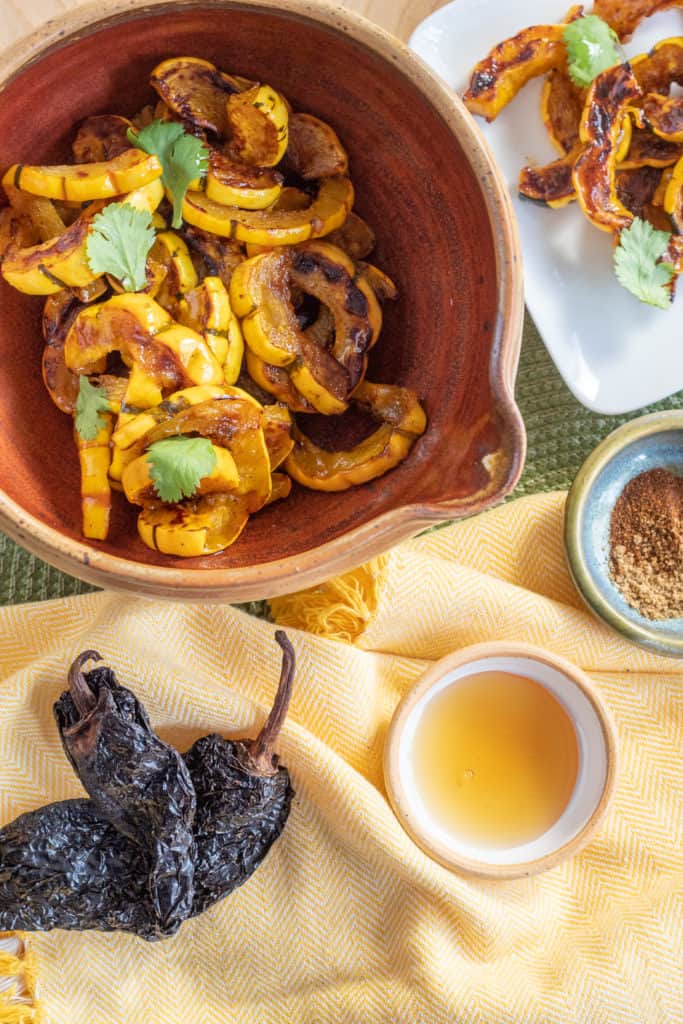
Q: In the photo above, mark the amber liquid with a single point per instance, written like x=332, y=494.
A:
x=495, y=759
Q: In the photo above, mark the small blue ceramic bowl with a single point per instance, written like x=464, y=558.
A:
x=650, y=442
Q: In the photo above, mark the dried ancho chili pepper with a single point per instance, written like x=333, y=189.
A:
x=84, y=864
x=137, y=782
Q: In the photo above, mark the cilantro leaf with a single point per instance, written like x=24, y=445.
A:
x=638, y=266
x=592, y=47
x=118, y=243
x=178, y=464
x=91, y=402
x=182, y=156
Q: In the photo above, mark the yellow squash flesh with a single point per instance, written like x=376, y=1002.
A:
x=94, y=458
x=403, y=422
x=273, y=227
x=84, y=182
x=258, y=119
x=207, y=310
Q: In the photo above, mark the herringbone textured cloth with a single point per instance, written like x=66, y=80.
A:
x=347, y=922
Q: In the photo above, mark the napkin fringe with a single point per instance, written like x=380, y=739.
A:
x=339, y=609
x=18, y=1003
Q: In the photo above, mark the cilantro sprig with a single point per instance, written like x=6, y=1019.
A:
x=592, y=47
x=182, y=156
x=178, y=464
x=90, y=405
x=118, y=244
x=639, y=265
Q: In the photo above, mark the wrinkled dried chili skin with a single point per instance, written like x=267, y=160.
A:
x=65, y=866
x=138, y=783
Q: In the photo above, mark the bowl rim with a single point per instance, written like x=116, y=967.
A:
x=432, y=846
x=350, y=549
x=575, y=509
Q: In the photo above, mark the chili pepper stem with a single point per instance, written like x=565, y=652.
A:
x=263, y=761
x=83, y=697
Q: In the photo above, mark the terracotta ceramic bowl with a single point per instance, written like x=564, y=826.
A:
x=425, y=180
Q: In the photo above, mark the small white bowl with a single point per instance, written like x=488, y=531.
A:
x=596, y=775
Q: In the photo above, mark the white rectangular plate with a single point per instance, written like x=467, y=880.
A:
x=614, y=353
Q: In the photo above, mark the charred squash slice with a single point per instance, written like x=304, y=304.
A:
x=62, y=261
x=275, y=380
x=665, y=116
x=355, y=237
x=553, y=184
x=625, y=15
x=277, y=430
x=259, y=126
x=659, y=69
x=163, y=355
x=16, y=232
x=39, y=211
x=172, y=254
x=60, y=311
x=381, y=284
x=281, y=487
x=636, y=189
x=207, y=310
x=101, y=138
x=594, y=174
x=201, y=526
x=314, y=149
x=196, y=91
x=215, y=257
x=648, y=150
x=273, y=227
x=402, y=422
x=236, y=184
x=562, y=104
x=260, y=295
x=509, y=66
x=673, y=197
x=84, y=182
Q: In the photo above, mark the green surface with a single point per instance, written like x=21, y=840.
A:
x=561, y=434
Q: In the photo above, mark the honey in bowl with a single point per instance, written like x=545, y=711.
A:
x=495, y=759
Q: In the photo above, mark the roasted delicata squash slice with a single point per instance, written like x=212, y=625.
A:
x=237, y=184
x=602, y=122
x=94, y=458
x=135, y=429
x=200, y=526
x=259, y=120
x=509, y=66
x=260, y=296
x=197, y=92
x=84, y=182
x=664, y=115
x=382, y=285
x=355, y=237
x=662, y=67
x=624, y=16
x=214, y=257
x=673, y=197
x=16, y=232
x=171, y=253
x=207, y=310
x=138, y=485
x=648, y=150
x=163, y=355
x=275, y=381
x=281, y=487
x=101, y=138
x=271, y=227
x=402, y=422
x=551, y=185
x=62, y=262
x=314, y=149
x=59, y=312
x=277, y=430
x=636, y=190
x=41, y=212
x=562, y=104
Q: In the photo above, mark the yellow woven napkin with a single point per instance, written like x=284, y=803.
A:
x=347, y=922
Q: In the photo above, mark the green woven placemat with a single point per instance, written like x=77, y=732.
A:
x=561, y=434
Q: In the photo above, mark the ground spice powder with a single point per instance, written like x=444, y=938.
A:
x=646, y=544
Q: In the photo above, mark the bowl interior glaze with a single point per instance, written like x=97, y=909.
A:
x=414, y=184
